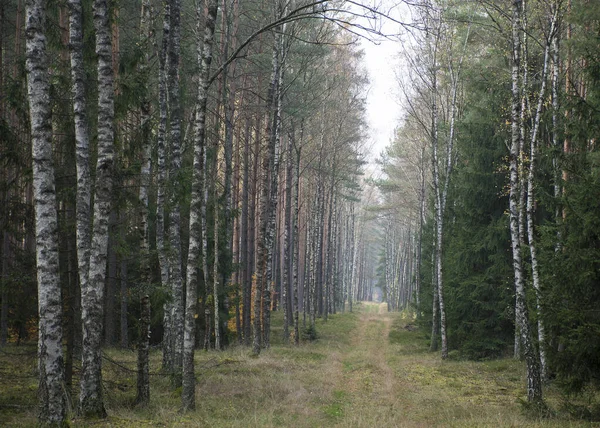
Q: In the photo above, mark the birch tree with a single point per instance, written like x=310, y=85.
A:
x=534, y=387
x=91, y=400
x=51, y=394
x=205, y=56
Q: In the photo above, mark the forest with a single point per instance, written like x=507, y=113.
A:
x=181, y=176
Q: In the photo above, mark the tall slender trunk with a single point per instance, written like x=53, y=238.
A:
x=555, y=135
x=229, y=110
x=205, y=52
x=435, y=325
x=124, y=325
x=268, y=198
x=83, y=193
x=143, y=362
x=534, y=387
x=274, y=149
x=296, y=243
x=531, y=195
x=174, y=229
x=215, y=290
x=51, y=394
x=439, y=212
x=91, y=396
x=352, y=257
x=245, y=232
x=287, y=239
x=419, y=256
x=111, y=283
x=161, y=212
x=143, y=381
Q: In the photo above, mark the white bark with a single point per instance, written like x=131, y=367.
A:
x=204, y=47
x=51, y=393
x=531, y=197
x=161, y=212
x=83, y=198
x=534, y=388
x=143, y=381
x=92, y=296
x=296, y=243
x=174, y=230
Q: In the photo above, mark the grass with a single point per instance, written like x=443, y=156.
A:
x=365, y=369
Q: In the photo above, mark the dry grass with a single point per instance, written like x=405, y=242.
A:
x=365, y=370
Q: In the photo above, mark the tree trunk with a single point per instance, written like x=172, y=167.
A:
x=244, y=248
x=174, y=230
x=124, y=322
x=143, y=363
x=204, y=50
x=91, y=396
x=111, y=283
x=83, y=194
x=531, y=196
x=534, y=387
x=296, y=254
x=161, y=213
x=51, y=393
x=435, y=325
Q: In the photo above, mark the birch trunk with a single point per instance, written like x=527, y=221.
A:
x=204, y=50
x=245, y=260
x=143, y=380
x=268, y=209
x=143, y=362
x=555, y=124
x=91, y=400
x=83, y=193
x=534, y=387
x=435, y=325
x=274, y=141
x=439, y=212
x=214, y=172
x=296, y=254
x=51, y=392
x=174, y=230
x=287, y=240
x=531, y=196
x=161, y=213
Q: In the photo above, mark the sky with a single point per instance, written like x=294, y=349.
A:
x=383, y=108
x=381, y=61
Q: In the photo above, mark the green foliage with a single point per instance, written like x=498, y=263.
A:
x=571, y=270
x=309, y=333
x=572, y=277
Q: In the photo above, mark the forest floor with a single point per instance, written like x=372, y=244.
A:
x=369, y=368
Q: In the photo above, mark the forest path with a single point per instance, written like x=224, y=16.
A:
x=368, y=368
x=367, y=385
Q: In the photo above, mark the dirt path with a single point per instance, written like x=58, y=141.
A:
x=367, y=385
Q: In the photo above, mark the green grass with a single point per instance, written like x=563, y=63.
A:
x=365, y=369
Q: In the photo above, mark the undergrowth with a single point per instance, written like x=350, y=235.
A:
x=366, y=368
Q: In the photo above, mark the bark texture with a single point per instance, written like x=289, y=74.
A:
x=205, y=54
x=534, y=386
x=91, y=400
x=83, y=196
x=51, y=392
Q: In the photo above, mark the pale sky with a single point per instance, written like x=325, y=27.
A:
x=383, y=109
x=381, y=61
